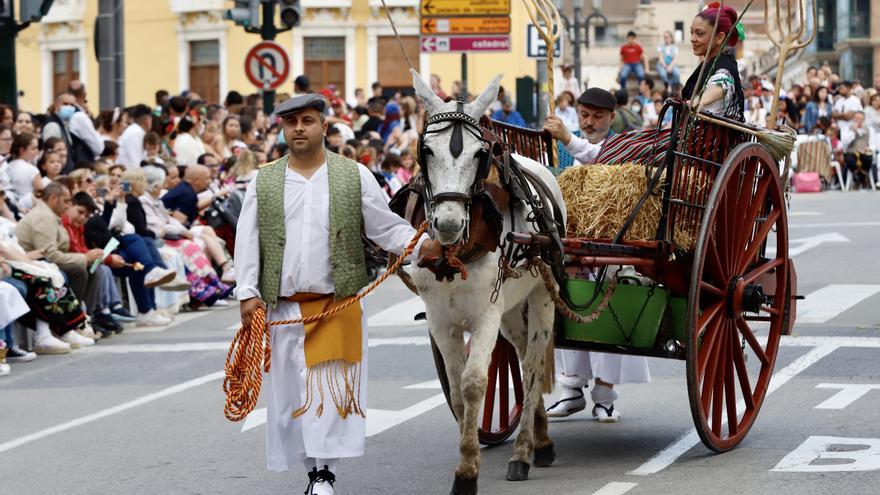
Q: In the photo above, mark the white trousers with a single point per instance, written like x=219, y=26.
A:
x=290, y=441
x=575, y=368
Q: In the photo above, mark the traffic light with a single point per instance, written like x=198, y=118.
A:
x=34, y=10
x=291, y=12
x=245, y=13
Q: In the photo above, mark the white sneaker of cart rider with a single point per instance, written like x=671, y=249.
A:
x=574, y=369
x=603, y=403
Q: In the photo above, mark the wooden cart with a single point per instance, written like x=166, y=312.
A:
x=721, y=306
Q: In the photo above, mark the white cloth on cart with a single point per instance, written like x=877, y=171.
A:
x=575, y=368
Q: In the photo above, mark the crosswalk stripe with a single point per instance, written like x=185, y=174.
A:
x=832, y=300
x=398, y=315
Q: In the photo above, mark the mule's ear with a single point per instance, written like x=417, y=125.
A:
x=478, y=107
x=431, y=101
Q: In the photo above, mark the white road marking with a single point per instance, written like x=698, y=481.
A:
x=849, y=393
x=670, y=454
x=832, y=225
x=832, y=300
x=807, y=243
x=378, y=420
x=18, y=442
x=428, y=385
x=399, y=315
x=127, y=349
x=616, y=488
x=803, y=214
x=111, y=348
x=256, y=418
x=863, y=454
x=179, y=319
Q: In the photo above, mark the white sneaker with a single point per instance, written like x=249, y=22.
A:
x=49, y=344
x=16, y=354
x=177, y=284
x=5, y=369
x=228, y=276
x=158, y=276
x=152, y=319
x=76, y=340
x=89, y=332
x=571, y=401
x=221, y=303
x=321, y=482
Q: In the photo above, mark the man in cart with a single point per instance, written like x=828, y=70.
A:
x=575, y=368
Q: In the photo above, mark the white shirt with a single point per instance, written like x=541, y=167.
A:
x=306, y=263
x=81, y=126
x=131, y=146
x=22, y=174
x=188, y=149
x=571, y=84
x=844, y=105
x=582, y=150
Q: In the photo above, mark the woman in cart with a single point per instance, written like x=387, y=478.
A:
x=723, y=95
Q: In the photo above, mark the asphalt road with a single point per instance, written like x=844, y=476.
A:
x=142, y=413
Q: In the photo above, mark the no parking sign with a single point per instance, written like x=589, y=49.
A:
x=267, y=65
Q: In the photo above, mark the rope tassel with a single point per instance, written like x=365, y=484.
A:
x=245, y=361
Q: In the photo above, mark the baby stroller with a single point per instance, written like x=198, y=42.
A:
x=222, y=216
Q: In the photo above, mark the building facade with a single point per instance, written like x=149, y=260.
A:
x=185, y=44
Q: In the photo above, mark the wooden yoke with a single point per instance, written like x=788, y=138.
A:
x=787, y=40
x=549, y=31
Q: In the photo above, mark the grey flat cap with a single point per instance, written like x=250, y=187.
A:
x=299, y=103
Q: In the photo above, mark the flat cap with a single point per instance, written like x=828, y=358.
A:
x=598, y=98
x=299, y=103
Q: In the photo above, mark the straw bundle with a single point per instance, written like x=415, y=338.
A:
x=600, y=197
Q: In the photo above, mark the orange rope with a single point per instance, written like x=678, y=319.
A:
x=244, y=375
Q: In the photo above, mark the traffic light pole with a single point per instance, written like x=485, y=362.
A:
x=8, y=31
x=268, y=31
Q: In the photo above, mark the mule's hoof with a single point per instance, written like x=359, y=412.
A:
x=464, y=486
x=517, y=471
x=544, y=457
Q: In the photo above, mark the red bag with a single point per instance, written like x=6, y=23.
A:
x=807, y=182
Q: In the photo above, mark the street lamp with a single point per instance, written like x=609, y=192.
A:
x=574, y=30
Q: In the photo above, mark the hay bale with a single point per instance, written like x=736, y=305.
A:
x=600, y=197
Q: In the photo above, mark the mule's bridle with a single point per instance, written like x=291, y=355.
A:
x=459, y=122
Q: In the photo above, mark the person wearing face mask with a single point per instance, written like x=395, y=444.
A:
x=67, y=121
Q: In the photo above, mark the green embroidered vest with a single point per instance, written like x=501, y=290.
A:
x=349, y=269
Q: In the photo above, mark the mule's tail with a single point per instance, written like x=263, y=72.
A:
x=550, y=367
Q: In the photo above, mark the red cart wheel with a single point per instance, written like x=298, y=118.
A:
x=499, y=418
x=728, y=365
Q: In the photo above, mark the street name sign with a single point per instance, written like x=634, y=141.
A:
x=450, y=44
x=464, y=7
x=535, y=46
x=466, y=25
x=266, y=65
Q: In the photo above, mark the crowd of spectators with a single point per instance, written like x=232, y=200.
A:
x=142, y=202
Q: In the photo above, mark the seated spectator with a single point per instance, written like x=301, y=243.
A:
x=12, y=307
x=55, y=310
x=508, y=114
x=206, y=287
x=631, y=57
x=104, y=303
x=188, y=146
x=390, y=165
x=24, y=122
x=245, y=169
x=858, y=155
x=183, y=203
x=153, y=148
x=23, y=174
x=407, y=166
x=565, y=110
x=49, y=164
